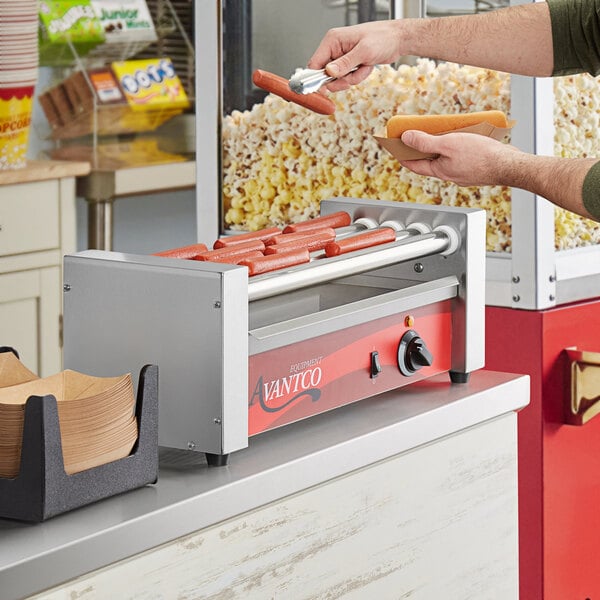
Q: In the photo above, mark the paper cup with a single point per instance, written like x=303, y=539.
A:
x=15, y=120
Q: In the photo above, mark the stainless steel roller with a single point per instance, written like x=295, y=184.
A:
x=321, y=269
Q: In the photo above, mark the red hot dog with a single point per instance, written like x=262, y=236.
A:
x=185, y=252
x=263, y=235
x=312, y=241
x=337, y=219
x=273, y=262
x=236, y=259
x=229, y=251
x=360, y=241
x=278, y=85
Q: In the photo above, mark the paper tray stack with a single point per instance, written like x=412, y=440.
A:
x=73, y=437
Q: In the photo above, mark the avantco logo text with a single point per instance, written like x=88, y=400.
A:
x=276, y=394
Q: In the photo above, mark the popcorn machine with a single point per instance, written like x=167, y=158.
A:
x=268, y=162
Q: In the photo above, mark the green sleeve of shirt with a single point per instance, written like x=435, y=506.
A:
x=575, y=36
x=591, y=191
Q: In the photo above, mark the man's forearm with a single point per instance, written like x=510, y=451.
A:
x=515, y=40
x=559, y=180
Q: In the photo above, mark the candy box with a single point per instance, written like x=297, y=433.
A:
x=64, y=22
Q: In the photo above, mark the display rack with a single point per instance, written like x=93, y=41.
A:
x=107, y=105
x=43, y=489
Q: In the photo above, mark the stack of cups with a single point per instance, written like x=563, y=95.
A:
x=18, y=76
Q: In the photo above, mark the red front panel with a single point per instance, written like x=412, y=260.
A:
x=559, y=464
x=306, y=378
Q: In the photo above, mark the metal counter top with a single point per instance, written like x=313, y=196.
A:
x=190, y=496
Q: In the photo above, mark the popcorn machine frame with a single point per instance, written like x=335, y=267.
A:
x=532, y=276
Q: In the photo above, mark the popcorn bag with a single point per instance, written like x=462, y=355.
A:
x=18, y=77
x=15, y=121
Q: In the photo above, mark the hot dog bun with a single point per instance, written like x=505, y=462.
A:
x=433, y=124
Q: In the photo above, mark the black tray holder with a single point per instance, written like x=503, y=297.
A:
x=43, y=489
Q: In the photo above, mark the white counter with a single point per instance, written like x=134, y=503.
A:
x=190, y=497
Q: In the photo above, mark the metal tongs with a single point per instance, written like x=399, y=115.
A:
x=307, y=81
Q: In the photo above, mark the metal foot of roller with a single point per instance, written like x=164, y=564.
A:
x=216, y=460
x=457, y=377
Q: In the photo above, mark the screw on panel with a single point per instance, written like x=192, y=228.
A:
x=217, y=304
x=191, y=445
x=552, y=278
x=551, y=297
x=516, y=279
x=217, y=421
x=66, y=287
x=516, y=298
x=418, y=267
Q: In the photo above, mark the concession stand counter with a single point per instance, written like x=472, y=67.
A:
x=542, y=267
x=398, y=494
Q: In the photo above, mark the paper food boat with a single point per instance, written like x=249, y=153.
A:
x=96, y=415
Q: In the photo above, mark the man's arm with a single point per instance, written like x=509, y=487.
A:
x=557, y=179
x=516, y=40
x=468, y=159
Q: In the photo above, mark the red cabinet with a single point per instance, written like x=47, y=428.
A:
x=559, y=464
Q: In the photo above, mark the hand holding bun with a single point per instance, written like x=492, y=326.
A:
x=466, y=159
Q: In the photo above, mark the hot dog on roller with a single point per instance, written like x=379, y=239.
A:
x=185, y=252
x=311, y=241
x=273, y=262
x=337, y=219
x=278, y=85
x=236, y=259
x=383, y=235
x=263, y=235
x=434, y=124
x=235, y=250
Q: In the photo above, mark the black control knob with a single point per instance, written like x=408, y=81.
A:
x=413, y=353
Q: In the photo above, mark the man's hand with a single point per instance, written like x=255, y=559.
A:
x=463, y=158
x=363, y=46
x=516, y=39
x=470, y=159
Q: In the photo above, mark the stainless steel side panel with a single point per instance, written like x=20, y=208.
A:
x=189, y=318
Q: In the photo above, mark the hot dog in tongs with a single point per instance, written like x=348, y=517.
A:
x=281, y=87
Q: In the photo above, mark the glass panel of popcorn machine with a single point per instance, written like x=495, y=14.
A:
x=280, y=159
x=576, y=117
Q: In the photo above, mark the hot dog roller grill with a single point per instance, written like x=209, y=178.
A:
x=238, y=356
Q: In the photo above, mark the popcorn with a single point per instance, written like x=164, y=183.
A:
x=280, y=160
x=577, y=121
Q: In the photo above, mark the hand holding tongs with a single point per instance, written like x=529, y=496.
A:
x=307, y=81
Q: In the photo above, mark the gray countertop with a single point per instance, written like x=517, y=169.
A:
x=190, y=496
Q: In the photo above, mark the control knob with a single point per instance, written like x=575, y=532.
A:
x=413, y=353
